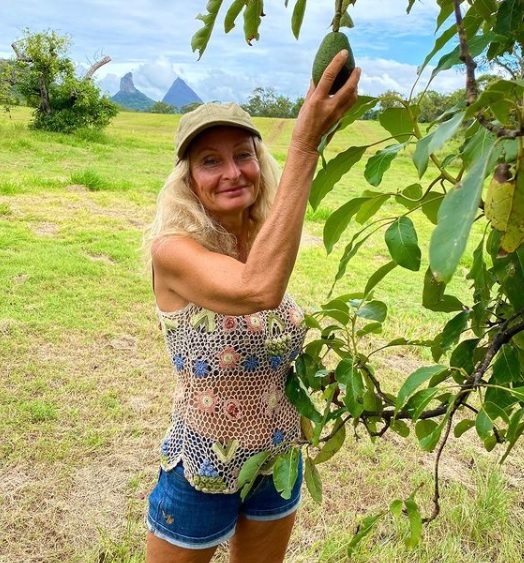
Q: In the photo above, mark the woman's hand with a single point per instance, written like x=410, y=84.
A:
x=320, y=111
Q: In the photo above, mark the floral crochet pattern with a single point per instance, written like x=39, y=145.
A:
x=229, y=401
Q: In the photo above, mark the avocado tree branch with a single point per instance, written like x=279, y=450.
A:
x=471, y=82
x=506, y=332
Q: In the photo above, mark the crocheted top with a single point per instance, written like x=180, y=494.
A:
x=229, y=402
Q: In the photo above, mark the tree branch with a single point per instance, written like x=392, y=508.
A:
x=95, y=66
x=19, y=55
x=503, y=336
x=471, y=82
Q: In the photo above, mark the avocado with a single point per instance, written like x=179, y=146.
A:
x=333, y=43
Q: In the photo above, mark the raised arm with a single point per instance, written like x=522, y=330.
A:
x=187, y=272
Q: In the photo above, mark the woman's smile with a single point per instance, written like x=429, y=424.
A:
x=224, y=170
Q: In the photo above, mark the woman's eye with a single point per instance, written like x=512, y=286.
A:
x=209, y=161
x=243, y=156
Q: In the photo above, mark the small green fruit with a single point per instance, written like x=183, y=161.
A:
x=333, y=43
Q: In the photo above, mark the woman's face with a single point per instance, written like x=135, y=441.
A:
x=224, y=170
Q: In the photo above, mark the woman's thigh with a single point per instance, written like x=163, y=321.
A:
x=161, y=551
x=259, y=541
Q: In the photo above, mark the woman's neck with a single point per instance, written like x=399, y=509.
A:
x=239, y=228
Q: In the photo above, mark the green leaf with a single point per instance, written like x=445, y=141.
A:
x=363, y=529
x=373, y=310
x=351, y=378
x=398, y=122
x=380, y=162
x=485, y=8
x=453, y=330
x=424, y=428
x=481, y=142
x=432, y=142
x=371, y=206
x=509, y=271
x=495, y=409
x=298, y=397
x=232, y=14
x=496, y=400
x=332, y=446
x=395, y=507
x=456, y=215
x=313, y=480
x=476, y=46
x=379, y=275
x=351, y=249
x=361, y=106
x=514, y=432
x=285, y=472
x=327, y=177
x=419, y=401
x=415, y=523
x=410, y=196
x=415, y=380
x=338, y=221
x=430, y=205
x=400, y=428
x=298, y=17
x=509, y=16
x=433, y=297
x=201, y=38
x=370, y=328
x=483, y=424
x=252, y=18
x=249, y=472
x=444, y=38
x=506, y=368
x=462, y=355
x=517, y=392
x=402, y=242
x=429, y=442
x=479, y=274
x=337, y=309
x=463, y=426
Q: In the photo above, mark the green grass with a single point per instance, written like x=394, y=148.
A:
x=86, y=386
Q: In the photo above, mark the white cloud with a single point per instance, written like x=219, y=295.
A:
x=152, y=38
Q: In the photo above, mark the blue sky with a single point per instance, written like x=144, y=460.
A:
x=152, y=39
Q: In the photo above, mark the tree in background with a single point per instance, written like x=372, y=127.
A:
x=265, y=102
x=470, y=190
x=44, y=76
x=162, y=107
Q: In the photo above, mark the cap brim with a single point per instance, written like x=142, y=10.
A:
x=181, y=150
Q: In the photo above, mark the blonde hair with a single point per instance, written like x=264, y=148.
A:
x=180, y=212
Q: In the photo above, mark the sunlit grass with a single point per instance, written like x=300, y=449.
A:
x=86, y=385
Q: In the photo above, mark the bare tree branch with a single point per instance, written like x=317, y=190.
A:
x=95, y=66
x=19, y=55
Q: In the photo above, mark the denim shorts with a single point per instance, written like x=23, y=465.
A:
x=186, y=517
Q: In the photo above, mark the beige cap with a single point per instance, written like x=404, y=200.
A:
x=210, y=115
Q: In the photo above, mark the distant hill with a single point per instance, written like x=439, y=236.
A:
x=131, y=98
x=180, y=95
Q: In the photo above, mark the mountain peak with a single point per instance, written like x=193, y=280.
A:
x=180, y=95
x=127, y=85
x=131, y=98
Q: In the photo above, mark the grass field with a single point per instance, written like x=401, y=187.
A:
x=86, y=386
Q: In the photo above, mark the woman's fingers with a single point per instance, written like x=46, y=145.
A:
x=331, y=72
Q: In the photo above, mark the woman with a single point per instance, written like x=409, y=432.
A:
x=223, y=245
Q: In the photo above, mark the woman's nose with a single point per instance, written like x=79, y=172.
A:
x=231, y=169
